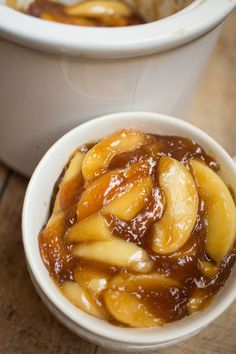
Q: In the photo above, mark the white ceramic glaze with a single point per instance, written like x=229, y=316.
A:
x=55, y=76
x=35, y=213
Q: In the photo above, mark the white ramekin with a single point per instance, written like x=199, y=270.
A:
x=56, y=76
x=35, y=213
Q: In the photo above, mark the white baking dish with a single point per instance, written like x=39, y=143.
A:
x=35, y=214
x=56, y=76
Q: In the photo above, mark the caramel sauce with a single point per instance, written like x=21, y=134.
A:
x=183, y=264
x=53, y=11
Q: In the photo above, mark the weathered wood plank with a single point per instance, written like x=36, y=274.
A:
x=26, y=326
x=4, y=172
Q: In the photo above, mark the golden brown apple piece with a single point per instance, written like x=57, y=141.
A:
x=181, y=207
x=95, y=195
x=97, y=9
x=134, y=282
x=70, y=183
x=76, y=294
x=53, y=250
x=92, y=228
x=128, y=205
x=93, y=279
x=208, y=268
x=197, y=302
x=220, y=211
x=116, y=252
x=128, y=309
x=109, y=186
x=97, y=159
x=139, y=169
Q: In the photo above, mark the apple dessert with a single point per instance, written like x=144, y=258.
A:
x=142, y=229
x=96, y=13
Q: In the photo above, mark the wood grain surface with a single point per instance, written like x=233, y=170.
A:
x=26, y=326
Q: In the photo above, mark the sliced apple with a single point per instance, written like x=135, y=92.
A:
x=56, y=220
x=76, y=294
x=107, y=187
x=140, y=169
x=181, y=207
x=197, y=302
x=135, y=282
x=74, y=167
x=73, y=170
x=97, y=8
x=91, y=278
x=128, y=309
x=92, y=228
x=97, y=159
x=116, y=252
x=51, y=244
x=208, y=268
x=96, y=193
x=127, y=206
x=220, y=211
x=93, y=281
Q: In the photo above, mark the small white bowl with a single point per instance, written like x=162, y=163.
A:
x=35, y=213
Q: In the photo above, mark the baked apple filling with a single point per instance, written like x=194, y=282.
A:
x=142, y=229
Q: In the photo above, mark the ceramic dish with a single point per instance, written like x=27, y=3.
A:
x=35, y=213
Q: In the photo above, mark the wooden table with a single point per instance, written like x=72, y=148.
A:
x=26, y=326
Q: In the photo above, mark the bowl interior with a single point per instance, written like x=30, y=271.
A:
x=35, y=213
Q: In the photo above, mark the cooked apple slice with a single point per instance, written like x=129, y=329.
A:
x=56, y=220
x=92, y=228
x=52, y=247
x=181, y=207
x=79, y=298
x=98, y=8
x=220, y=211
x=96, y=193
x=197, y=302
x=91, y=278
x=97, y=159
x=127, y=206
x=116, y=252
x=74, y=167
x=140, y=169
x=128, y=309
x=93, y=281
x=105, y=188
x=208, y=268
x=73, y=171
x=134, y=282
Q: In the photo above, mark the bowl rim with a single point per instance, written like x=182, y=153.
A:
x=87, y=322
x=192, y=22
